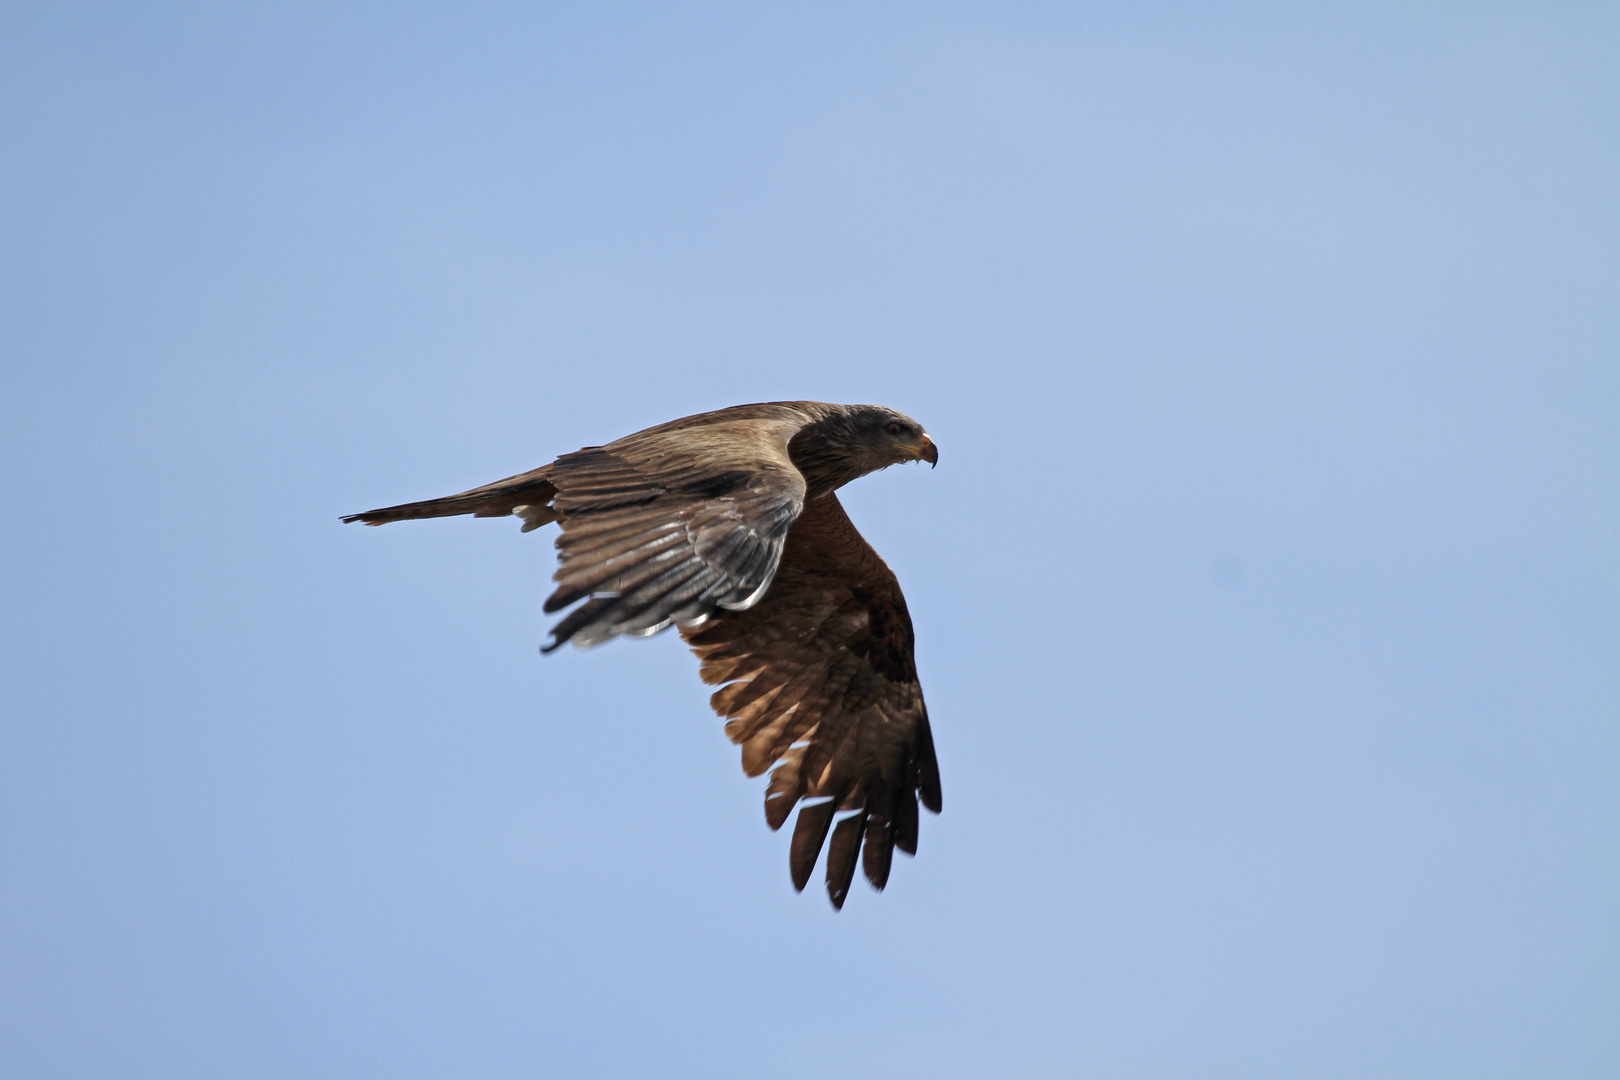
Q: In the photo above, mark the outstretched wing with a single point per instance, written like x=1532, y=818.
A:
x=664, y=527
x=821, y=682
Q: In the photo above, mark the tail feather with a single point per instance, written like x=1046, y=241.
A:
x=527, y=495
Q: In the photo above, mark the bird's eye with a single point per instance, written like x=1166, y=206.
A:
x=894, y=428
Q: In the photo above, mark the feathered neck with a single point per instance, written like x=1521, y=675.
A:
x=826, y=453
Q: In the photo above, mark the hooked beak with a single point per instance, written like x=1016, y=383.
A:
x=926, y=451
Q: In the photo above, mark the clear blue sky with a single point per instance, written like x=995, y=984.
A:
x=1267, y=591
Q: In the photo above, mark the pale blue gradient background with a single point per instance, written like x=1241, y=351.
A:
x=1268, y=590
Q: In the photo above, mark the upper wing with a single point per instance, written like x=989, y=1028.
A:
x=670, y=527
x=821, y=679
x=673, y=523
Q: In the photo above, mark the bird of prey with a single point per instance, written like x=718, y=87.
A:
x=727, y=525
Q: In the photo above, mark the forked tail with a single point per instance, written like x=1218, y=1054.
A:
x=528, y=495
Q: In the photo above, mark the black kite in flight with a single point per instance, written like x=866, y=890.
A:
x=726, y=524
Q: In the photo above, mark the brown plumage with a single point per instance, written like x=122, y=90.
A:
x=726, y=524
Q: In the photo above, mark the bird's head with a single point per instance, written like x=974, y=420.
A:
x=892, y=438
x=877, y=437
x=852, y=440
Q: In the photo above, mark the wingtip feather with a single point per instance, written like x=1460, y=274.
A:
x=841, y=857
x=809, y=833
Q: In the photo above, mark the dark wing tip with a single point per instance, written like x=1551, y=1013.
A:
x=777, y=807
x=841, y=854
x=928, y=772
x=809, y=833
x=877, y=853
x=903, y=829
